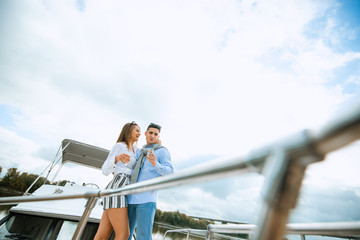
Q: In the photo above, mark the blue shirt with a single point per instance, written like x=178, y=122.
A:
x=163, y=167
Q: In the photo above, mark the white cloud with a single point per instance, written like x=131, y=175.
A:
x=340, y=168
x=19, y=152
x=25, y=155
x=329, y=191
x=353, y=79
x=236, y=199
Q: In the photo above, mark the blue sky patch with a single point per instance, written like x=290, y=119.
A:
x=80, y=4
x=8, y=116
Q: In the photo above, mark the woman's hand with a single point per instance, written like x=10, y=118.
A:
x=124, y=158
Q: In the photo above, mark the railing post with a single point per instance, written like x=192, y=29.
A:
x=57, y=172
x=209, y=232
x=188, y=233
x=33, y=183
x=165, y=235
x=283, y=178
x=88, y=208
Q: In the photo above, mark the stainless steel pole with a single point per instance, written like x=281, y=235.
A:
x=82, y=223
x=284, y=176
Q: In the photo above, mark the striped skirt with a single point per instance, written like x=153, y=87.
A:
x=118, y=181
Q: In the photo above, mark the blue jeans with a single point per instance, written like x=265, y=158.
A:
x=141, y=216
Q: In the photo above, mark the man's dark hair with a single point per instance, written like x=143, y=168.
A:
x=153, y=125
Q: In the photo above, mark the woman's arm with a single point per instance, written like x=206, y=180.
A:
x=110, y=162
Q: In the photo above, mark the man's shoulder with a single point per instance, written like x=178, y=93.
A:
x=162, y=148
x=163, y=152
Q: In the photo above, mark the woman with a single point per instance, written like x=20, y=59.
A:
x=115, y=215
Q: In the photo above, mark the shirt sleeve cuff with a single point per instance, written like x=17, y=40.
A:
x=157, y=167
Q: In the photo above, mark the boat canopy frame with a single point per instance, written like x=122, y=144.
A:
x=74, y=152
x=83, y=154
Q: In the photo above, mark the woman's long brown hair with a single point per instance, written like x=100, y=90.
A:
x=125, y=134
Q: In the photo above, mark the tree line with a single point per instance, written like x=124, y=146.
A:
x=20, y=182
x=180, y=220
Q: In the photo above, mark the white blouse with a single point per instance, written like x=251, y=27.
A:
x=109, y=165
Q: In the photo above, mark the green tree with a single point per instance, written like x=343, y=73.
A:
x=177, y=218
x=201, y=224
x=192, y=223
x=169, y=218
x=159, y=215
x=60, y=183
x=180, y=220
x=39, y=183
x=11, y=179
x=184, y=220
x=29, y=180
x=22, y=181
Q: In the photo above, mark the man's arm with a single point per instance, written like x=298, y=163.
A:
x=163, y=165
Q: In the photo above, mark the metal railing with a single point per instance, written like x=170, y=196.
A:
x=200, y=233
x=345, y=230
x=283, y=164
x=187, y=231
x=334, y=229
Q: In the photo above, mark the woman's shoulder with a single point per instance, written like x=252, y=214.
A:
x=120, y=145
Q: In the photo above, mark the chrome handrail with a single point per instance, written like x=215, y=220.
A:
x=283, y=164
x=198, y=233
x=188, y=231
x=334, y=229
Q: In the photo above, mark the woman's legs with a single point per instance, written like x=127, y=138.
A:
x=105, y=228
x=120, y=222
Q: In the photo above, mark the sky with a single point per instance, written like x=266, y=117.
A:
x=221, y=77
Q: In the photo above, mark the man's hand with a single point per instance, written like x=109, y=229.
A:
x=124, y=158
x=152, y=159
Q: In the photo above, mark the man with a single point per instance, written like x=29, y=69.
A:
x=142, y=206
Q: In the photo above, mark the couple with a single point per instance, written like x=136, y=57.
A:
x=130, y=165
